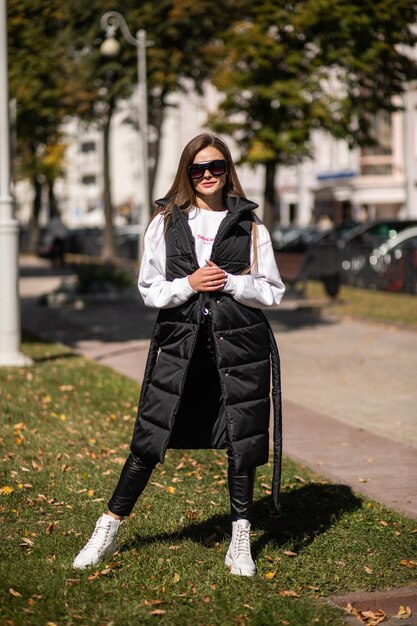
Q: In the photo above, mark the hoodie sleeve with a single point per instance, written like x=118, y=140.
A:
x=156, y=291
x=263, y=287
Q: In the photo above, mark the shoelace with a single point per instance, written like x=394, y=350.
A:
x=242, y=541
x=99, y=536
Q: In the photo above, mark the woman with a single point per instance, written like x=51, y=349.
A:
x=209, y=267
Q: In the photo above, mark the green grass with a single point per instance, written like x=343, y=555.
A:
x=382, y=306
x=66, y=428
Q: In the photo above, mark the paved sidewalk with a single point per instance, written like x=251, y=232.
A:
x=350, y=402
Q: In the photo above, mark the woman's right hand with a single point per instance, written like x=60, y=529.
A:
x=210, y=278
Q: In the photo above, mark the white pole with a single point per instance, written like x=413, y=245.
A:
x=10, y=354
x=143, y=128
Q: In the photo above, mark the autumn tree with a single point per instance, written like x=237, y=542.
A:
x=37, y=77
x=179, y=32
x=287, y=69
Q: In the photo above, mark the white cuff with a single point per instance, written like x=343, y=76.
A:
x=182, y=288
x=233, y=286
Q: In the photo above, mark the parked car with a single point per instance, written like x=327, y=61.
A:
x=357, y=246
x=393, y=265
x=344, y=257
x=85, y=240
x=294, y=238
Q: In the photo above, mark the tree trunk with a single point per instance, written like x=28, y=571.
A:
x=270, y=197
x=157, y=119
x=53, y=205
x=109, y=249
x=33, y=237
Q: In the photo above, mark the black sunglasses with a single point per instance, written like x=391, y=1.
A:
x=216, y=168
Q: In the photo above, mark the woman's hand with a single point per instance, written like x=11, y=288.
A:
x=209, y=278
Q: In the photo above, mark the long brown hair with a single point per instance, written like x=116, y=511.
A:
x=182, y=192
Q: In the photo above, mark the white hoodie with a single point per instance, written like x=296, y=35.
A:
x=262, y=288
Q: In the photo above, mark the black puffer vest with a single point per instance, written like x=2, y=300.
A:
x=244, y=347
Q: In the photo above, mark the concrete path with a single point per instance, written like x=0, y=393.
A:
x=350, y=400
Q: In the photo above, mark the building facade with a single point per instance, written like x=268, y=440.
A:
x=338, y=182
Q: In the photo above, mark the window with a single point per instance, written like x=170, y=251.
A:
x=376, y=160
x=88, y=146
x=88, y=179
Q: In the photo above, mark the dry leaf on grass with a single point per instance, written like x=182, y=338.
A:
x=15, y=593
x=407, y=563
x=289, y=593
x=152, y=602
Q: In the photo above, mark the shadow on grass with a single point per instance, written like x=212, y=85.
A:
x=306, y=513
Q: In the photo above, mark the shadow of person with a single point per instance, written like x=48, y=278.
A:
x=306, y=513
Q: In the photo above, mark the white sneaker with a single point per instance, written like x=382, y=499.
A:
x=238, y=556
x=101, y=543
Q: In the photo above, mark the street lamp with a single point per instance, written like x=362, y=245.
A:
x=10, y=354
x=110, y=22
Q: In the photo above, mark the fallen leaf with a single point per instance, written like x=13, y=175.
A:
x=170, y=489
x=6, y=490
x=374, y=617
x=289, y=553
x=364, y=480
x=407, y=563
x=177, y=577
x=370, y=618
x=270, y=575
x=206, y=599
x=368, y=570
x=158, y=612
x=404, y=612
x=289, y=593
x=26, y=542
x=15, y=593
x=152, y=602
x=299, y=478
x=157, y=485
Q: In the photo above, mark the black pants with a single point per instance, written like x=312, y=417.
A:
x=136, y=474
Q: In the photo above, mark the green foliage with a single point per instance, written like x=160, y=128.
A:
x=37, y=79
x=67, y=424
x=288, y=68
